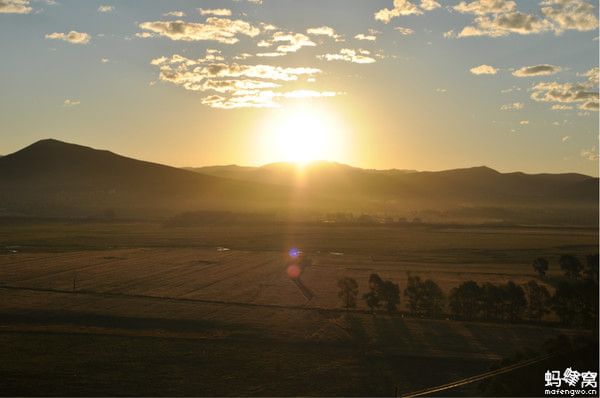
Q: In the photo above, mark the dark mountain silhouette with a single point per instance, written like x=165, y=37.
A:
x=53, y=177
x=60, y=179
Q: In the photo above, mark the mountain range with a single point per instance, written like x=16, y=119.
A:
x=54, y=178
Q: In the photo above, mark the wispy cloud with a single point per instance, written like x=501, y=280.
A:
x=512, y=107
x=484, y=70
x=537, y=70
x=236, y=85
x=15, y=7
x=349, y=55
x=73, y=37
x=222, y=30
x=405, y=7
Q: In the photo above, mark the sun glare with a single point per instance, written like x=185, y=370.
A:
x=302, y=135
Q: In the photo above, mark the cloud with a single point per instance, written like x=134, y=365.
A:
x=105, y=9
x=592, y=75
x=429, y=5
x=401, y=7
x=362, y=36
x=584, y=94
x=73, y=37
x=179, y=14
x=483, y=7
x=537, y=70
x=324, y=31
x=222, y=30
x=505, y=24
x=484, y=70
x=405, y=7
x=15, y=7
x=566, y=138
x=348, y=55
x=570, y=15
x=105, y=60
x=404, y=31
x=233, y=85
x=512, y=107
x=218, y=12
x=295, y=41
x=495, y=18
x=524, y=122
x=71, y=103
x=560, y=107
x=590, y=154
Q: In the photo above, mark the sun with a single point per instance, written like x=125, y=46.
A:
x=304, y=134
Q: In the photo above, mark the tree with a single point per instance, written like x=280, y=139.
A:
x=591, y=269
x=540, y=265
x=380, y=292
x=373, y=296
x=348, y=292
x=391, y=295
x=567, y=303
x=538, y=299
x=465, y=300
x=425, y=298
x=515, y=302
x=570, y=265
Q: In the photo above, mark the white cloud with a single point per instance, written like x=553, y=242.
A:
x=178, y=14
x=512, y=107
x=404, y=31
x=590, y=154
x=537, y=70
x=222, y=30
x=348, y=55
x=105, y=9
x=236, y=85
x=324, y=31
x=566, y=138
x=568, y=94
x=482, y=7
x=218, y=12
x=505, y=24
x=570, y=15
x=295, y=41
x=484, y=70
x=362, y=36
x=15, y=7
x=70, y=102
x=401, y=7
x=524, y=122
x=73, y=37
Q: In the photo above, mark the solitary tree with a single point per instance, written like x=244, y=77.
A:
x=570, y=265
x=540, y=265
x=348, y=292
x=538, y=299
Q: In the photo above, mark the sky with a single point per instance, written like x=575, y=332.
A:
x=420, y=84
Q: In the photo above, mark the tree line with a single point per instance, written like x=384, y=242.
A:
x=574, y=301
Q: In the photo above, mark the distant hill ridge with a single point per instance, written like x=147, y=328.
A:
x=51, y=177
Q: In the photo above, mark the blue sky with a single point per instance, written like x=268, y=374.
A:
x=441, y=84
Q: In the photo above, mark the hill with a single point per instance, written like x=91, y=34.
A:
x=61, y=179
x=51, y=177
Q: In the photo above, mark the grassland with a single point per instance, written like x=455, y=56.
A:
x=139, y=309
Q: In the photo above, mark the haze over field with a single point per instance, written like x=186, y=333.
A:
x=52, y=178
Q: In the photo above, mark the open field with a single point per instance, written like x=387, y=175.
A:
x=100, y=307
